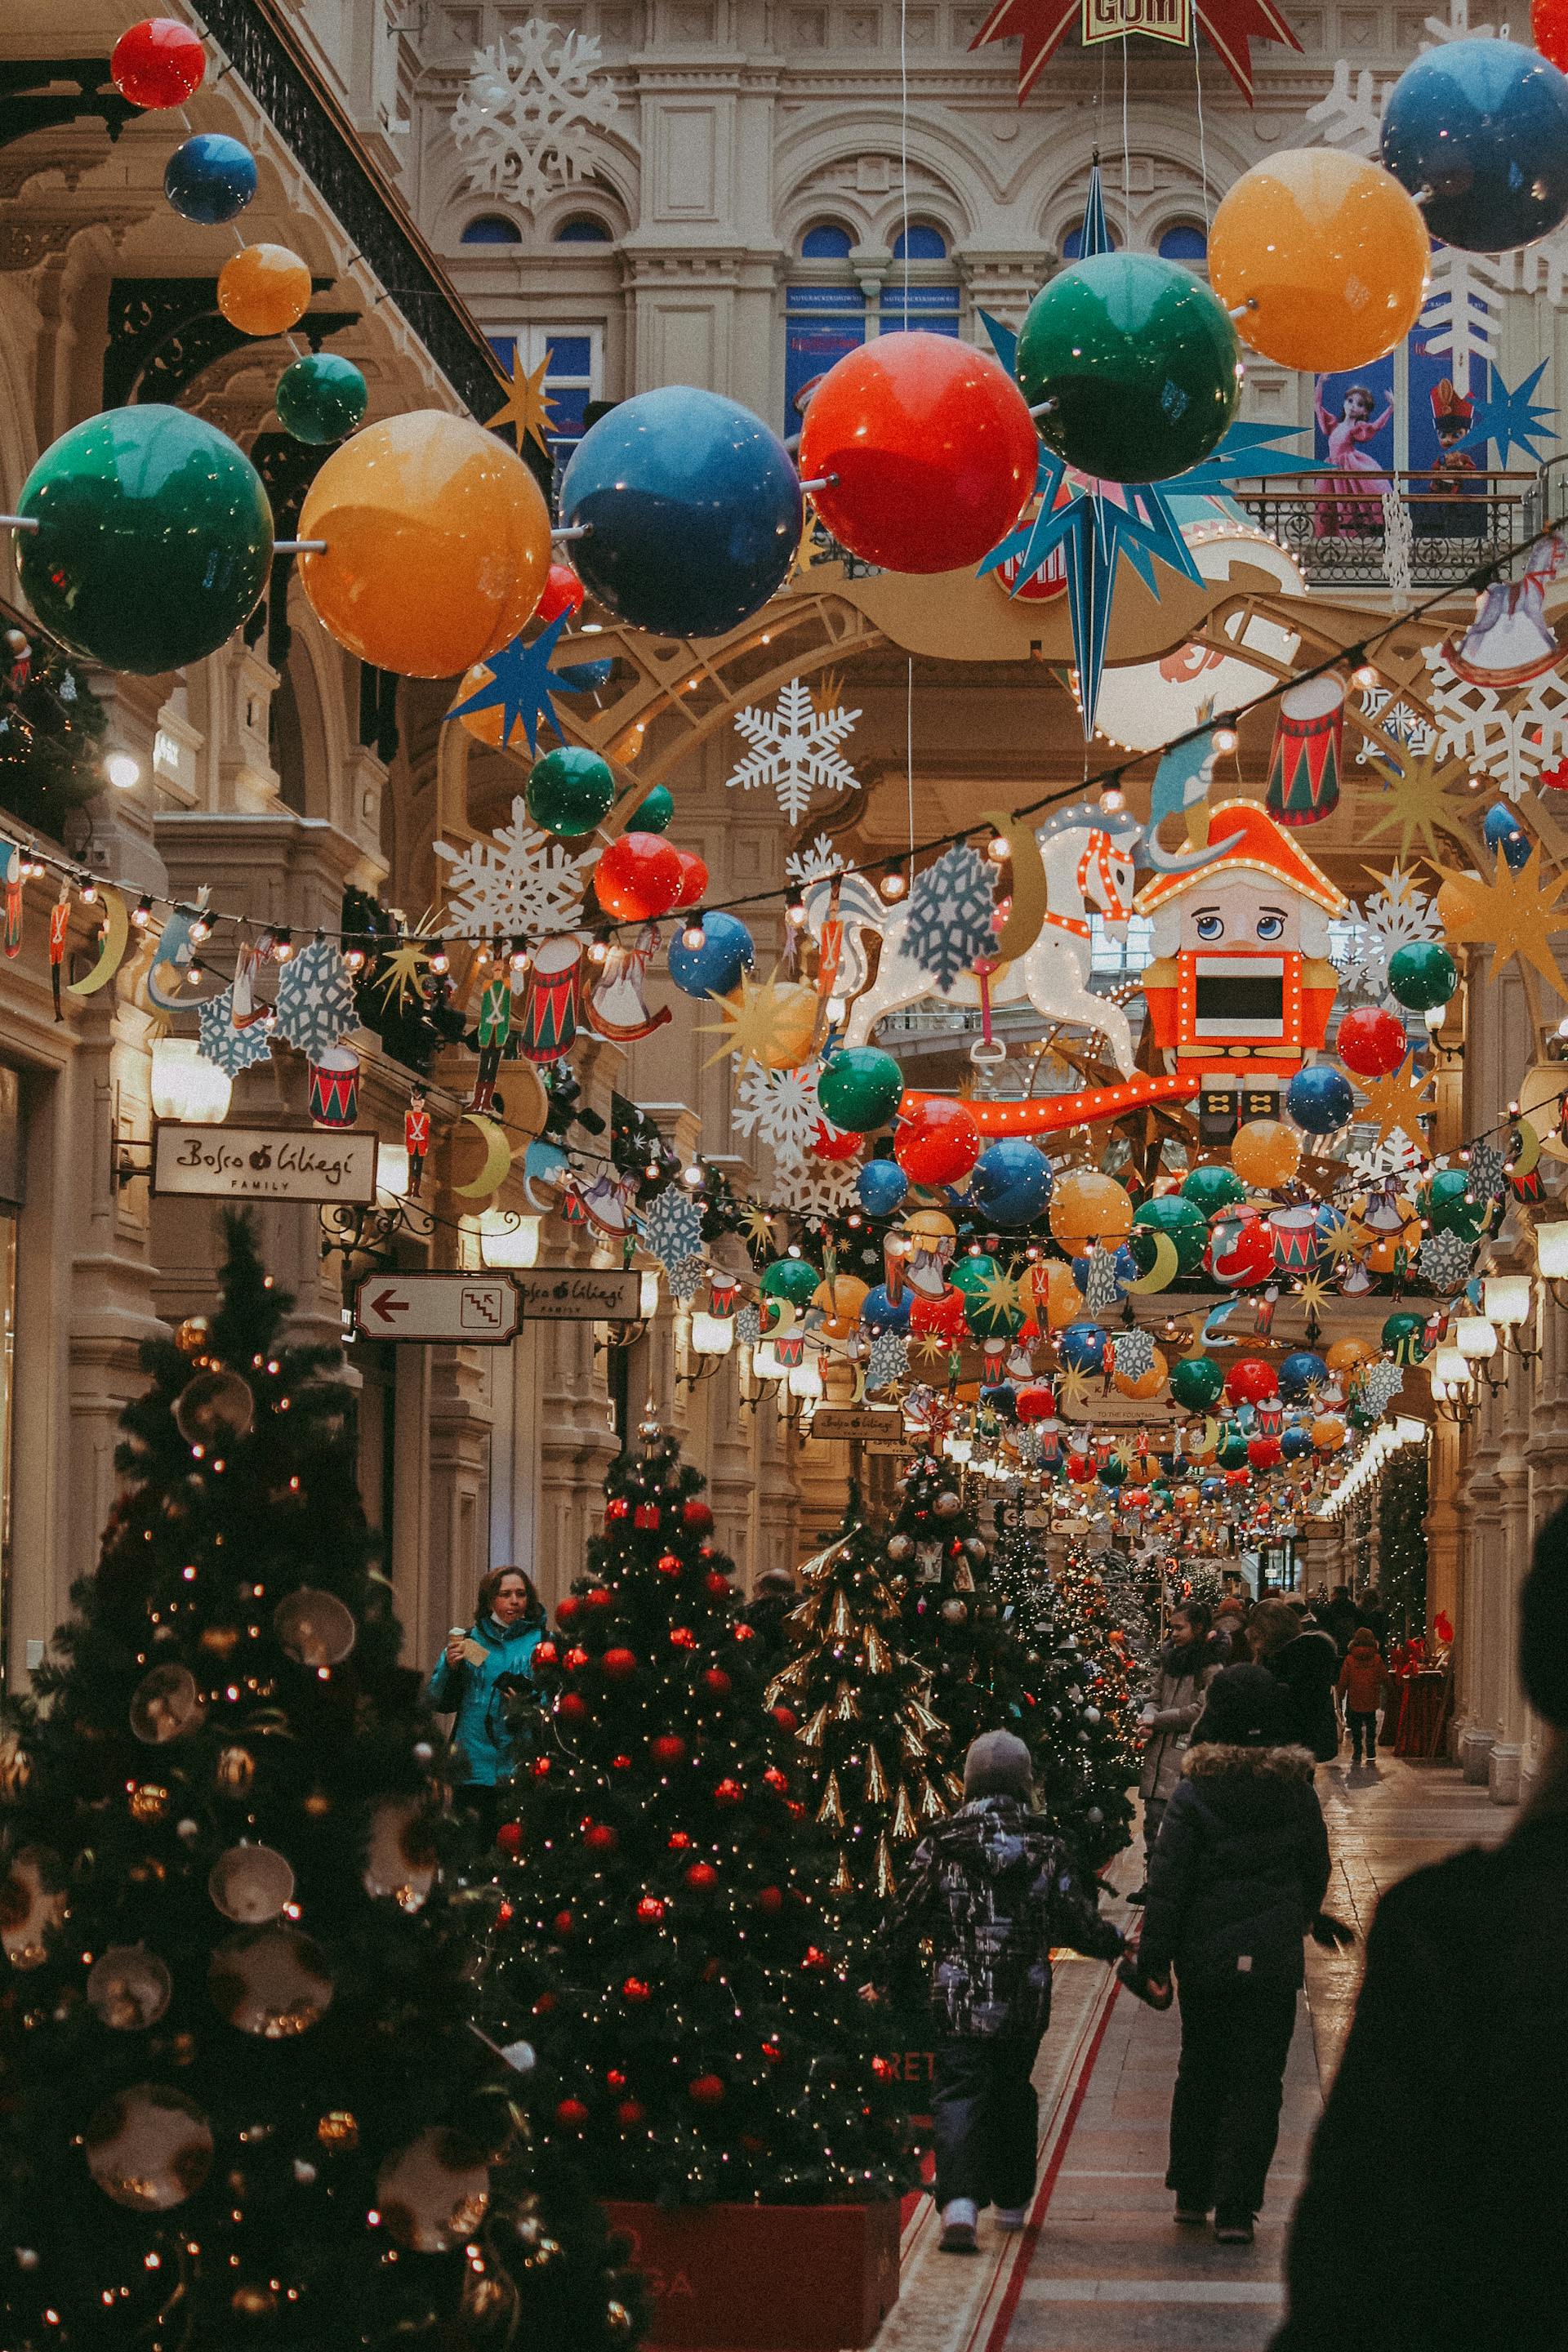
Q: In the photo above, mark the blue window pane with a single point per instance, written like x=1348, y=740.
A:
x=826, y=242
x=492, y=229
x=567, y=413
x=1183, y=242
x=1073, y=244
x=583, y=230
x=813, y=339
x=922, y=243
x=570, y=355
x=846, y=298
x=504, y=348
x=931, y=309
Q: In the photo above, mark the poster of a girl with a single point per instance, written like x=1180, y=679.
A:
x=1347, y=435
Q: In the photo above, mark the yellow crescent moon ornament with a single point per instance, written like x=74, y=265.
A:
x=111, y=945
x=492, y=1175
x=1164, y=1270
x=1528, y=1156
x=1027, y=911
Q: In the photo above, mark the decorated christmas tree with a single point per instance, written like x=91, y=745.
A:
x=1082, y=1727
x=952, y=1623
x=667, y=1942
x=243, y=2104
x=876, y=1748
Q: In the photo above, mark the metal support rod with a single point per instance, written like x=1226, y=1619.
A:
x=573, y=530
x=18, y=522
x=1042, y=407
x=299, y=547
x=823, y=482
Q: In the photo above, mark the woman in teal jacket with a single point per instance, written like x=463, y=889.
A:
x=475, y=1678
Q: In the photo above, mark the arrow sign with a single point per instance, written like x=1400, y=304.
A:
x=470, y=1310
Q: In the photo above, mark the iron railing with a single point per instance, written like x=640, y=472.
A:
x=1337, y=529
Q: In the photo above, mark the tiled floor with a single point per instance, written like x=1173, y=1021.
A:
x=1102, y=2268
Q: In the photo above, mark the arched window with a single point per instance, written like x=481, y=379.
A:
x=491, y=228
x=921, y=263
x=825, y=315
x=920, y=242
x=828, y=241
x=1073, y=244
x=1184, y=241
x=583, y=229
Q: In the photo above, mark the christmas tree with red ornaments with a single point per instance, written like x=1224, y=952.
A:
x=667, y=1942
x=952, y=1623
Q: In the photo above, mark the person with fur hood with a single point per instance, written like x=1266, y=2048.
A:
x=1236, y=1879
x=988, y=1892
x=1186, y=1666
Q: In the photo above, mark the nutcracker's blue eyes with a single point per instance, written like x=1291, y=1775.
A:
x=1271, y=925
x=1210, y=927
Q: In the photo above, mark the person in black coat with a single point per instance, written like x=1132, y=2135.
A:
x=1237, y=1878
x=1339, y=1617
x=1435, y=2189
x=1307, y=1666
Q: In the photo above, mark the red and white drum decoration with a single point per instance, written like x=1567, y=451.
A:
x=553, y=1002
x=334, y=1087
x=1304, y=767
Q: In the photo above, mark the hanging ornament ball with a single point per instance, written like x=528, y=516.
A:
x=1211, y=1186
x=947, y=1504
x=319, y=398
x=1251, y=1381
x=157, y=64
x=1405, y=1338
x=1372, y=1041
x=637, y=877
x=693, y=511
x=954, y=1611
x=1240, y=1252
x=149, y=2148
x=1328, y=1432
x=1087, y=1208
x=1140, y=362
x=1549, y=30
x=989, y=1305
x=128, y=1988
x=924, y=450
x=1142, y=1386
x=1266, y=1154
x=938, y=1142
x=859, y=1088
x=1422, y=975
x=1181, y=1222
x=655, y=809
x=1036, y=1403
x=1451, y=1207
x=717, y=966
x=263, y=290
x=1082, y=1348
x=1348, y=1356
x=1479, y=131
x=154, y=539
x=693, y=887
x=840, y=1297
x=1197, y=1382
x=881, y=1187
x=881, y=1313
x=315, y=1628
x=564, y=593
x=1302, y=1372
x=210, y=178
x=570, y=790
x=1012, y=1181
x=1324, y=255
x=1320, y=1098
x=944, y=1318
x=434, y=2193
x=1264, y=1452
x=791, y=1278
x=214, y=1409
x=438, y=544
x=1503, y=831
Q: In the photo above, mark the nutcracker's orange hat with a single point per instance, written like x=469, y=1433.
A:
x=1251, y=843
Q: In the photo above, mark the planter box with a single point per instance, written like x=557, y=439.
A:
x=763, y=2278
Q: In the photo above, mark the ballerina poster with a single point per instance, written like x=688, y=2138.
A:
x=1354, y=415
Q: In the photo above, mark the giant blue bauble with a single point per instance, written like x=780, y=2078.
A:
x=877, y=1311
x=1503, y=831
x=692, y=509
x=1321, y=1099
x=1010, y=1183
x=210, y=178
x=1300, y=1373
x=882, y=1187
x=716, y=967
x=1479, y=131
x=1081, y=1347
x=1294, y=1442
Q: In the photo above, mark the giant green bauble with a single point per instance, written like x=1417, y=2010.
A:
x=1422, y=975
x=859, y=1088
x=1450, y=1205
x=1197, y=1382
x=1140, y=362
x=1211, y=1187
x=154, y=539
x=1183, y=1220
x=570, y=790
x=793, y=1279
x=989, y=1300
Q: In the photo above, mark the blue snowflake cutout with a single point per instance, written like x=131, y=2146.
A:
x=672, y=1228
x=316, y=999
x=231, y=1050
x=519, y=687
x=949, y=920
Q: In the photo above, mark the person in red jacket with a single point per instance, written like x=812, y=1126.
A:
x=1364, y=1679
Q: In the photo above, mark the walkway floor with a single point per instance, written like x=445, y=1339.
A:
x=1101, y=2266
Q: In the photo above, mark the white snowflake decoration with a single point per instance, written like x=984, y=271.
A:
x=748, y=1327
x=520, y=880
x=793, y=749
x=1379, y=1385
x=1463, y=312
x=779, y=1107
x=818, y=861
x=524, y=121
x=1400, y=719
x=1397, y=916
x=1134, y=1353
x=1391, y=1155
x=951, y=910
x=219, y=1042
x=817, y=1188
x=1507, y=734
x=889, y=1362
x=1445, y=1259
x=1351, y=113
x=687, y=1276
x=1398, y=545
x=1457, y=26
x=672, y=1228
x=315, y=999
x=1488, y=1170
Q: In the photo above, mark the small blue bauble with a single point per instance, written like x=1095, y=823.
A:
x=1479, y=131
x=882, y=1187
x=877, y=1311
x=1321, y=1098
x=210, y=179
x=1300, y=1373
x=1503, y=831
x=1295, y=1443
x=1082, y=1348
x=1010, y=1183
x=1211, y=1488
x=716, y=967
x=692, y=508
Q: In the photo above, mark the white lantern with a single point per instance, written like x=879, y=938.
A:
x=1476, y=1337
x=805, y=1379
x=1506, y=1299
x=506, y=1239
x=391, y=1173
x=1552, y=1250
x=647, y=1293
x=765, y=1361
x=711, y=1335
x=186, y=1086
x=1449, y=1368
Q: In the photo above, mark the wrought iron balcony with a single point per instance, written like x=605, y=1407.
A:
x=1336, y=525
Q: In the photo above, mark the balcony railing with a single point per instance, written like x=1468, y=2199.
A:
x=1336, y=526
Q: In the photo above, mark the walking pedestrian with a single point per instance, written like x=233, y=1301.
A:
x=1186, y=1666
x=1364, y=1679
x=766, y=1613
x=1230, y=1628
x=1339, y=1617
x=480, y=1670
x=1236, y=1879
x=1370, y=1612
x=1434, y=2188
x=1306, y=1663
x=989, y=1891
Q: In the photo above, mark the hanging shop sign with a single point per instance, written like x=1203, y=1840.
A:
x=470, y=1310
x=579, y=1294
x=863, y=1422
x=1159, y=20
x=263, y=1163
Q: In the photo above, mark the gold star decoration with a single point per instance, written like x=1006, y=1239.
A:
x=1341, y=1239
x=1073, y=1388
x=1513, y=914
x=768, y=1021
x=1314, y=1294
x=1418, y=805
x=528, y=405
x=931, y=1348
x=756, y=1226
x=403, y=969
x=1401, y=1100
x=998, y=1295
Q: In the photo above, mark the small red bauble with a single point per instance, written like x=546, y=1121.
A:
x=728, y=1792
x=599, y=1596
x=697, y=1516
x=702, y=1878
x=619, y=1510
x=650, y=1909
x=545, y=2004
x=717, y=1682
x=717, y=1585
x=541, y=1767
x=683, y=1637
x=772, y=2053
x=564, y=1923
x=883, y=2069
x=158, y=63
x=504, y=1913
x=770, y=1900
x=615, y=2080
x=576, y=1658
x=831, y=1143
x=1264, y=1452
x=706, y=2089
x=745, y=1633
x=668, y=1747
x=786, y=1717
x=777, y=1779
x=1081, y=1468
x=1372, y=1041
x=646, y=1516
x=602, y=1837
x=562, y=593
x=629, y=2113
x=566, y=1610
x=617, y=1665
x=571, y=2115
x=669, y=1563
x=815, y=1958
x=620, y=1763
x=693, y=878
x=678, y=1840
x=572, y=1707
x=636, y=1988
x=796, y=1807
x=509, y=1837
x=545, y=1653
x=1251, y=1381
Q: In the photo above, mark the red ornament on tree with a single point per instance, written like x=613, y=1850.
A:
x=563, y=1923
x=636, y=1988
x=646, y=1516
x=717, y=1681
x=776, y=1777
x=598, y=1596
x=702, y=1878
x=650, y=1910
x=630, y=2113
x=697, y=1516
x=668, y=1747
x=575, y=1660
x=717, y=1585
x=682, y=1637
x=786, y=1717
x=728, y=1792
x=509, y=1837
x=678, y=1840
x=571, y=2115
x=745, y=1633
x=619, y=1510
x=618, y=1666
x=707, y=2090
x=601, y=1837
x=566, y=1610
x=545, y=1653
x=158, y=63
x=572, y=1707
x=771, y=1901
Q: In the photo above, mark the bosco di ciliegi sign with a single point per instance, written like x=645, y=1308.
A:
x=262, y=1163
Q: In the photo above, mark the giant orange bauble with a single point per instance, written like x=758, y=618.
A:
x=1087, y=1208
x=1322, y=258
x=263, y=290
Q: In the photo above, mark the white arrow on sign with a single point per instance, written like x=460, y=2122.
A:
x=473, y=1311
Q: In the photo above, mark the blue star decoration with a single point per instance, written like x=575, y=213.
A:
x=1512, y=419
x=519, y=687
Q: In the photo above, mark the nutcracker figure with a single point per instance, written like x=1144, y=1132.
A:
x=492, y=1034
x=416, y=1140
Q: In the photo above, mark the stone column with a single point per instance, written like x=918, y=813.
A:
x=1482, y=1514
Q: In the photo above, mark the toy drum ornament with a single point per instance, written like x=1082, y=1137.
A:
x=553, y=1000
x=334, y=1087
x=1304, y=767
x=1296, y=1239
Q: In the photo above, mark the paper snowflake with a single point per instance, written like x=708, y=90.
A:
x=1379, y=1385
x=1102, y=1284
x=793, y=749
x=818, y=861
x=1463, y=316
x=672, y=1228
x=1445, y=1259
x=316, y=999
x=521, y=880
x=1393, y=1154
x=889, y=1362
x=1488, y=1168
x=1402, y=721
x=780, y=1107
x=524, y=119
x=1134, y=1355
x=951, y=910
x=817, y=1188
x=219, y=1042
x=1398, y=545
x=688, y=1275
x=1396, y=916
x=1509, y=734
x=748, y=1328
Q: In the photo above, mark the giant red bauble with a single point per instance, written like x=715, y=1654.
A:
x=693, y=878
x=942, y=1318
x=698, y=1516
x=832, y=1143
x=636, y=879
x=706, y=2089
x=925, y=450
x=1036, y=1403
x=1251, y=1381
x=158, y=63
x=562, y=593
x=1372, y=1041
x=936, y=1140
x=1264, y=1452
